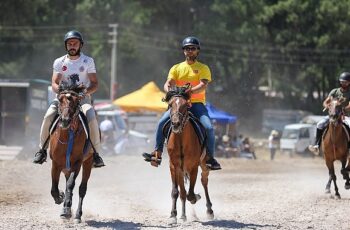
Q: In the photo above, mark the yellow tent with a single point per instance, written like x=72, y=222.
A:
x=147, y=98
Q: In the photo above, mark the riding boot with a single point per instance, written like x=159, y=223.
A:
x=155, y=157
x=98, y=162
x=212, y=164
x=316, y=147
x=40, y=156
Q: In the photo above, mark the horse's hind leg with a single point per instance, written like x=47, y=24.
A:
x=67, y=205
x=87, y=165
x=345, y=174
x=204, y=180
x=57, y=195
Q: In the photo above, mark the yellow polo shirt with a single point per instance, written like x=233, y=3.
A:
x=184, y=73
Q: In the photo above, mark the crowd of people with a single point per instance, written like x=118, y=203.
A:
x=233, y=146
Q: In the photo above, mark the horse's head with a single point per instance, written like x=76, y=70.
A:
x=335, y=110
x=178, y=99
x=69, y=99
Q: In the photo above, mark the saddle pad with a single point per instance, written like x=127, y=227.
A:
x=196, y=124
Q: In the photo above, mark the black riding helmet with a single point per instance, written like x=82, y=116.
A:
x=73, y=34
x=344, y=77
x=191, y=41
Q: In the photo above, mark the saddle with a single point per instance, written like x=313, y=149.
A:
x=345, y=128
x=196, y=124
x=84, y=122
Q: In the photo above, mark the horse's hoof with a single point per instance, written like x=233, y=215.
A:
x=195, y=217
x=77, y=221
x=347, y=186
x=60, y=198
x=210, y=215
x=66, y=213
x=328, y=191
x=337, y=197
x=172, y=220
x=183, y=219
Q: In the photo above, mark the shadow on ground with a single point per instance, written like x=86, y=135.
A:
x=114, y=224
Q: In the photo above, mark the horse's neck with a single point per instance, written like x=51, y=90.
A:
x=335, y=127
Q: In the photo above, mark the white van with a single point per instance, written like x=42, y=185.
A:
x=297, y=137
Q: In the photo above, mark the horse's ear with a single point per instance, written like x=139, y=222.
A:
x=62, y=86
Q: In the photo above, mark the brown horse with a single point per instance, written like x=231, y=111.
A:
x=185, y=154
x=69, y=152
x=335, y=145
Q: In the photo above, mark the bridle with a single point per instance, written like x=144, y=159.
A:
x=335, y=113
x=182, y=116
x=69, y=94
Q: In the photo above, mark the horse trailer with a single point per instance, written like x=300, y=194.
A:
x=23, y=104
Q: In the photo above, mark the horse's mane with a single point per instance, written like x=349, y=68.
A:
x=63, y=86
x=178, y=91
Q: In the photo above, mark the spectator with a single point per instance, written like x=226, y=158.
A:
x=273, y=143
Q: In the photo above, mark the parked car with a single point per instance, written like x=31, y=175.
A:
x=123, y=138
x=297, y=137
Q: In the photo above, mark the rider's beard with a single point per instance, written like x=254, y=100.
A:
x=191, y=58
x=74, y=52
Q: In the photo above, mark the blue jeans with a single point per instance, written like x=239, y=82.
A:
x=200, y=111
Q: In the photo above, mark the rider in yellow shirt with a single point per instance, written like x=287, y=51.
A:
x=198, y=75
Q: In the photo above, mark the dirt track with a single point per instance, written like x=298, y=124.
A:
x=130, y=194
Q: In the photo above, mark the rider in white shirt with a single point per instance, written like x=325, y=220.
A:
x=73, y=68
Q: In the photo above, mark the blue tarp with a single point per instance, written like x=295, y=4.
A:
x=219, y=115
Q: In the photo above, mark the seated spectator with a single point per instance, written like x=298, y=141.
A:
x=226, y=147
x=247, y=148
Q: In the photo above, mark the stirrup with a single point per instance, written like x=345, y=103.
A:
x=40, y=157
x=212, y=164
x=150, y=157
x=97, y=161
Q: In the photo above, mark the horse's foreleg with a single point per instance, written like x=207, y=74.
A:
x=87, y=165
x=191, y=197
x=180, y=177
x=67, y=205
x=328, y=185
x=57, y=195
x=174, y=195
x=332, y=177
x=204, y=180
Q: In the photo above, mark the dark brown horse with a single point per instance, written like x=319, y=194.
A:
x=335, y=145
x=185, y=154
x=69, y=152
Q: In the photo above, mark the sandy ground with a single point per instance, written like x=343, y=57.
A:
x=287, y=193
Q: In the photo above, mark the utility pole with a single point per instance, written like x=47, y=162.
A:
x=114, y=82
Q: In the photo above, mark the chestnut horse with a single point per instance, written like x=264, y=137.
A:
x=186, y=154
x=335, y=145
x=69, y=151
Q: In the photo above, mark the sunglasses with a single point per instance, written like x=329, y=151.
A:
x=190, y=48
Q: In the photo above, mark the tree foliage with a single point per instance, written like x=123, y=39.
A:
x=293, y=48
